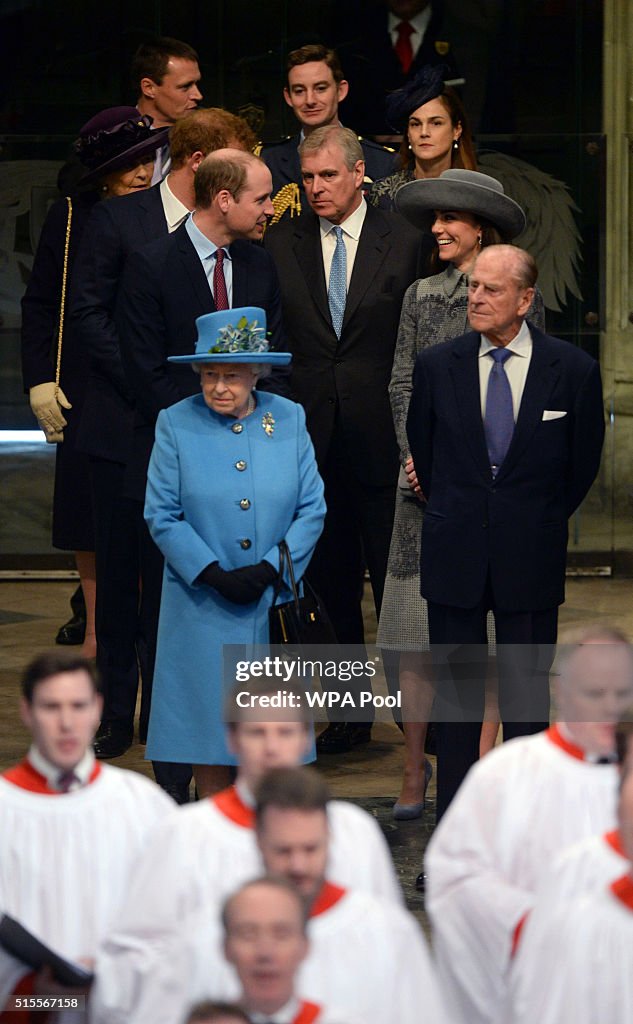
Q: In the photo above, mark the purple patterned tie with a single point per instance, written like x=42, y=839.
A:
x=499, y=416
x=220, y=293
x=66, y=780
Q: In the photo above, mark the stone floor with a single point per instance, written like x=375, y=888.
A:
x=30, y=613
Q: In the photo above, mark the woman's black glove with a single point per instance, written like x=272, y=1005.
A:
x=241, y=586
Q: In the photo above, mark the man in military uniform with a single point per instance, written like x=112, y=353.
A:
x=315, y=87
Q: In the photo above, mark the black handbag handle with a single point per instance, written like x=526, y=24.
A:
x=284, y=558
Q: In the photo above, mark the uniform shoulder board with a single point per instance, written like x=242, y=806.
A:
x=376, y=145
x=277, y=142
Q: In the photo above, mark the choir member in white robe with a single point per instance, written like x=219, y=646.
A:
x=203, y=852
x=520, y=805
x=367, y=956
x=71, y=829
x=265, y=941
x=575, y=963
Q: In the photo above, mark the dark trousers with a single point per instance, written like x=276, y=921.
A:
x=356, y=533
x=525, y=650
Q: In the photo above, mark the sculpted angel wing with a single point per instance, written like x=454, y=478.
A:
x=551, y=234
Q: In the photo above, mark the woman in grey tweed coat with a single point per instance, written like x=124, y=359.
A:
x=465, y=211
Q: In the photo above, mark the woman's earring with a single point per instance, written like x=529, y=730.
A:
x=409, y=146
x=479, y=242
x=455, y=143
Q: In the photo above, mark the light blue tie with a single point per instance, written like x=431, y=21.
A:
x=499, y=416
x=337, y=288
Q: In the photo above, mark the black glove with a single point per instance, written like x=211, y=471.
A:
x=241, y=586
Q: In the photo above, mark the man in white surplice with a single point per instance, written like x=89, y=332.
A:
x=517, y=807
x=71, y=828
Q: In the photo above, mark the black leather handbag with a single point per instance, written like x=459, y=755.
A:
x=303, y=620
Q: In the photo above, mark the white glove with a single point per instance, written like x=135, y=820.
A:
x=47, y=402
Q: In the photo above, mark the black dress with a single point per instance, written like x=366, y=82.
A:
x=72, y=508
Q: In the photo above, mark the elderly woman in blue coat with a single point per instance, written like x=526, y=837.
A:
x=232, y=474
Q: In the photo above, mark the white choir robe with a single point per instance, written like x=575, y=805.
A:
x=66, y=860
x=367, y=957
x=201, y=854
x=583, y=868
x=517, y=807
x=581, y=972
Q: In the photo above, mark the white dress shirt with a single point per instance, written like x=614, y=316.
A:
x=516, y=367
x=352, y=228
x=175, y=211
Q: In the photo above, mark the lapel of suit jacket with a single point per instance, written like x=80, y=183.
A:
x=151, y=213
x=373, y=246
x=194, y=270
x=307, y=249
x=464, y=371
x=543, y=372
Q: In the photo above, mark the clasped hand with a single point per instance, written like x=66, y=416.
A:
x=241, y=586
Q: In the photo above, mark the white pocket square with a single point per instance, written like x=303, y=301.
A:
x=553, y=414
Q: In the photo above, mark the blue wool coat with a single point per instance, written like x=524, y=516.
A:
x=216, y=492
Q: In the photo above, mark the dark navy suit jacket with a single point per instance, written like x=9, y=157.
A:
x=343, y=384
x=164, y=290
x=116, y=228
x=515, y=526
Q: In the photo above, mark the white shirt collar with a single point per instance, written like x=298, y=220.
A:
x=419, y=23
x=285, y=1015
x=244, y=793
x=352, y=226
x=521, y=344
x=51, y=772
x=175, y=211
x=203, y=245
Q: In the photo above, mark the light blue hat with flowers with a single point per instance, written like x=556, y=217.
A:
x=233, y=336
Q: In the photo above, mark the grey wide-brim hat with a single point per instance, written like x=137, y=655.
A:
x=458, y=189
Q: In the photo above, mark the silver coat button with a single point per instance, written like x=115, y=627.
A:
x=241, y=465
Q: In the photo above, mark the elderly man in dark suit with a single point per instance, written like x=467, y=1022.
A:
x=126, y=619
x=506, y=427
x=344, y=268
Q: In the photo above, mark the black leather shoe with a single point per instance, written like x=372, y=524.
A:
x=340, y=737
x=72, y=632
x=112, y=741
x=420, y=882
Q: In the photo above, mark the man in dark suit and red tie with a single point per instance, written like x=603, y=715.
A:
x=127, y=615
x=506, y=427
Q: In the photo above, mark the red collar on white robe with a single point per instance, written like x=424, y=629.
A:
x=556, y=737
x=614, y=840
x=622, y=889
x=229, y=803
x=26, y=777
x=328, y=897
x=308, y=1013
